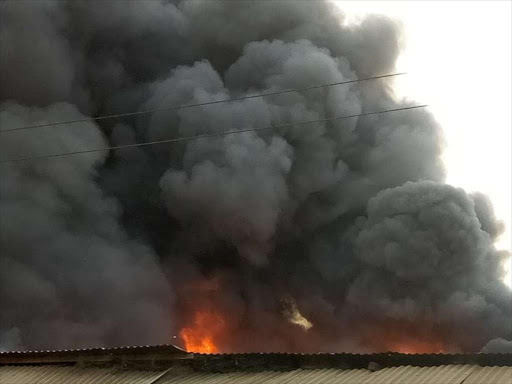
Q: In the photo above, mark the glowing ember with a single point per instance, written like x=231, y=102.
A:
x=419, y=347
x=202, y=335
x=407, y=337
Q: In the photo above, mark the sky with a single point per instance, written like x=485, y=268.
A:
x=458, y=58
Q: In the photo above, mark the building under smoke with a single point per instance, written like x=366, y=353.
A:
x=335, y=236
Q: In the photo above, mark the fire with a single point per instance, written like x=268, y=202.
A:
x=202, y=336
x=419, y=347
x=409, y=337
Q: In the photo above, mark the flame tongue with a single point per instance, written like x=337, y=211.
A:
x=202, y=336
x=193, y=343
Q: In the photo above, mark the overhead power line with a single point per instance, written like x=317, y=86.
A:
x=175, y=108
x=209, y=135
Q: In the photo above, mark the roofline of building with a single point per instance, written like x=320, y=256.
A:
x=162, y=355
x=104, y=355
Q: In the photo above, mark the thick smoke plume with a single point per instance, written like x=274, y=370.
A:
x=348, y=220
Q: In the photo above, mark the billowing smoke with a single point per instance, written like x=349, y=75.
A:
x=498, y=345
x=347, y=220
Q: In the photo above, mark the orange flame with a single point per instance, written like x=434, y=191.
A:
x=406, y=337
x=419, y=347
x=202, y=336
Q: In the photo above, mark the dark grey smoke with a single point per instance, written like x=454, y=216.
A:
x=351, y=218
x=70, y=274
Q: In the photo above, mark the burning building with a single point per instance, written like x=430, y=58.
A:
x=334, y=236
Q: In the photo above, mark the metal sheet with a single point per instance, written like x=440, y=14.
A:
x=71, y=375
x=490, y=375
x=448, y=374
x=410, y=375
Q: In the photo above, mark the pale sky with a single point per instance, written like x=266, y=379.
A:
x=458, y=59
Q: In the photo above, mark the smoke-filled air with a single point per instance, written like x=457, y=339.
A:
x=337, y=236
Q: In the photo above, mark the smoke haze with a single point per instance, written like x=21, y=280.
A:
x=349, y=219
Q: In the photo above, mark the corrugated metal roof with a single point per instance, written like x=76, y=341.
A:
x=349, y=360
x=485, y=375
x=74, y=355
x=72, y=375
x=114, y=350
x=449, y=374
x=247, y=360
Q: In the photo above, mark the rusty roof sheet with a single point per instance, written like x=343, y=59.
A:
x=448, y=374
